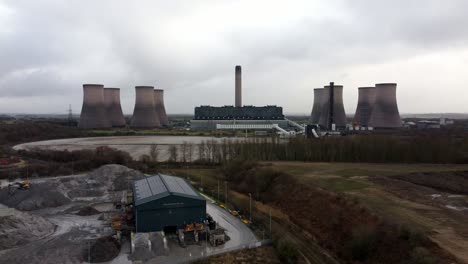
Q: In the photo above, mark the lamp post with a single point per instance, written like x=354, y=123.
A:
x=225, y=194
x=250, y=206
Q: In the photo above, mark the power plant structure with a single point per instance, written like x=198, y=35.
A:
x=238, y=86
x=93, y=113
x=159, y=107
x=333, y=111
x=113, y=108
x=239, y=116
x=385, y=112
x=144, y=113
x=318, y=104
x=366, y=102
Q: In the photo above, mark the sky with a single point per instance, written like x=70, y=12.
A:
x=49, y=48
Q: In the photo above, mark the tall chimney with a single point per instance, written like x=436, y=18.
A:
x=238, y=86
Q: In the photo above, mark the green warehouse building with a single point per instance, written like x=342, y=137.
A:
x=164, y=201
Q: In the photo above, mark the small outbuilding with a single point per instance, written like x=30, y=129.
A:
x=164, y=201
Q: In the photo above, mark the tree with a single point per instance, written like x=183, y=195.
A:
x=173, y=153
x=154, y=152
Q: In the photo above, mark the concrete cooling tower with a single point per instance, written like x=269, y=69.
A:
x=144, y=114
x=317, y=107
x=338, y=107
x=159, y=107
x=113, y=107
x=93, y=112
x=366, y=102
x=385, y=113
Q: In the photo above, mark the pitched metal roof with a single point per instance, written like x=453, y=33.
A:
x=158, y=186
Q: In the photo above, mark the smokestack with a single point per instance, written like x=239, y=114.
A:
x=385, y=113
x=144, y=115
x=318, y=104
x=339, y=115
x=113, y=107
x=93, y=112
x=366, y=102
x=159, y=107
x=238, y=85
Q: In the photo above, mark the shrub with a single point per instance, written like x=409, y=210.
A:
x=362, y=242
x=421, y=255
x=287, y=252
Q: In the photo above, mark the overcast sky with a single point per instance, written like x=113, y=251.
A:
x=49, y=48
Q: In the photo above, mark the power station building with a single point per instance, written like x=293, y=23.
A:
x=93, y=113
x=208, y=117
x=164, y=201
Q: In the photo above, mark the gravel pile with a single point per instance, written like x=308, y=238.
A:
x=38, y=196
x=115, y=177
x=19, y=228
x=102, y=250
x=88, y=211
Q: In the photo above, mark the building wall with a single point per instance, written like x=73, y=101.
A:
x=245, y=112
x=211, y=124
x=171, y=210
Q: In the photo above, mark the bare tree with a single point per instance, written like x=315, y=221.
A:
x=154, y=152
x=201, y=151
x=173, y=153
x=183, y=150
x=190, y=152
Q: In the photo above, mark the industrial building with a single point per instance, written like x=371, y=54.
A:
x=208, y=117
x=366, y=101
x=318, y=104
x=144, y=113
x=385, y=112
x=93, y=113
x=159, y=107
x=164, y=201
x=113, y=108
x=339, y=115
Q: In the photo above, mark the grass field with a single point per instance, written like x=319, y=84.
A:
x=353, y=180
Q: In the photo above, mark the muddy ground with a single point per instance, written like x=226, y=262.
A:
x=61, y=220
x=441, y=200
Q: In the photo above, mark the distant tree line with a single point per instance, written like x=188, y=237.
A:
x=358, y=148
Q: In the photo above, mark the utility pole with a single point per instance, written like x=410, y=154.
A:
x=250, y=206
x=225, y=194
x=331, y=105
x=218, y=189
x=270, y=224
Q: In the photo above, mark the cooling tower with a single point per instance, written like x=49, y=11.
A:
x=159, y=107
x=385, y=113
x=238, y=85
x=113, y=107
x=93, y=112
x=317, y=107
x=366, y=102
x=338, y=107
x=144, y=114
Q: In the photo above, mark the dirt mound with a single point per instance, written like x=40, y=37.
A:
x=19, y=228
x=88, y=211
x=454, y=182
x=102, y=250
x=115, y=177
x=40, y=195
